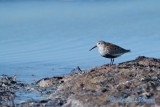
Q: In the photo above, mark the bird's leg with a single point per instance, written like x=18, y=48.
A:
x=112, y=61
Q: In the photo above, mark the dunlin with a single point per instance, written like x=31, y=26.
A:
x=109, y=50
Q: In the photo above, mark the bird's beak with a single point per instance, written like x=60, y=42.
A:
x=93, y=48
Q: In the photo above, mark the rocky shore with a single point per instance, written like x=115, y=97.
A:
x=128, y=84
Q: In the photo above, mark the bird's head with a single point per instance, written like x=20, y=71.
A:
x=98, y=44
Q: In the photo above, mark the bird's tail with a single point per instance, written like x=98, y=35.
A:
x=128, y=50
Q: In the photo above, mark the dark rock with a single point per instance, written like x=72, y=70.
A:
x=77, y=69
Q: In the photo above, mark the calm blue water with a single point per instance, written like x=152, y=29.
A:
x=46, y=38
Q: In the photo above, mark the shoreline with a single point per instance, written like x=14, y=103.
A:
x=131, y=83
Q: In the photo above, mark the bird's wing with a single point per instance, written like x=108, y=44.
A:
x=115, y=49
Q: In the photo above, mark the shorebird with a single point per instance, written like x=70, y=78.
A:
x=109, y=50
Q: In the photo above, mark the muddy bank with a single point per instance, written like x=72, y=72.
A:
x=132, y=83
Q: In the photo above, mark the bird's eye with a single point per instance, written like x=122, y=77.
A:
x=99, y=43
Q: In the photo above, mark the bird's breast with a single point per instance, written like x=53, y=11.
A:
x=103, y=51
